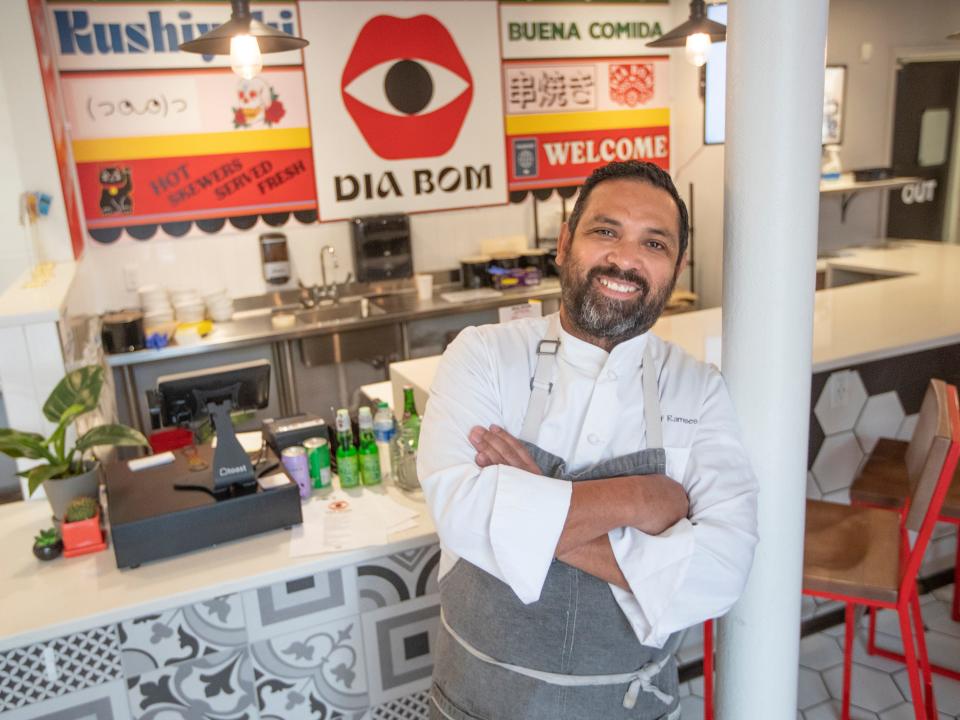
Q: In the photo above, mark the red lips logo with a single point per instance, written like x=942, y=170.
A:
x=407, y=87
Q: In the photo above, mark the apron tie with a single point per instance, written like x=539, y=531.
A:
x=643, y=681
x=640, y=680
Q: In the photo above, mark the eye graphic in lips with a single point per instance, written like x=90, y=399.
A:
x=407, y=87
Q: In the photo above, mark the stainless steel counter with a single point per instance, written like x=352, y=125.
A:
x=386, y=310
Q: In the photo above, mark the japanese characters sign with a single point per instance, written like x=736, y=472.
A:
x=409, y=95
x=567, y=117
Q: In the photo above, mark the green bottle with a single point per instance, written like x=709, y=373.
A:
x=348, y=465
x=410, y=423
x=368, y=452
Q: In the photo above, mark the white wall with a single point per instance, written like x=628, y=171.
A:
x=13, y=249
x=26, y=148
x=893, y=28
x=231, y=260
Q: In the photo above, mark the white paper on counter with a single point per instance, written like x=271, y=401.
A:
x=342, y=521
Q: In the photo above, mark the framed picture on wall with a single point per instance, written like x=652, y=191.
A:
x=833, y=98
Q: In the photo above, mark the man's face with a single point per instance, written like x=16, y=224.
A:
x=619, y=269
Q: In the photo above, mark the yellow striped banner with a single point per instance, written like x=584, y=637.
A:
x=160, y=146
x=575, y=121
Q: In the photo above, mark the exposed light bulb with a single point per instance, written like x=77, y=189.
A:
x=698, y=48
x=245, y=58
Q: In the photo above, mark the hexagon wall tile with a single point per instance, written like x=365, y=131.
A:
x=882, y=416
x=841, y=401
x=907, y=426
x=837, y=462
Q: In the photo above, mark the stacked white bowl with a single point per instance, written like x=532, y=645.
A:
x=187, y=304
x=219, y=305
x=155, y=304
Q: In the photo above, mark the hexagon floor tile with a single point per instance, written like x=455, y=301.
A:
x=880, y=687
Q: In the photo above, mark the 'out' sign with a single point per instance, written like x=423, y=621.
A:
x=918, y=192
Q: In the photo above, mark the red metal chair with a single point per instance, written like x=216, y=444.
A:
x=884, y=482
x=862, y=555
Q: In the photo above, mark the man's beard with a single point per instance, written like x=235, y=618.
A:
x=607, y=318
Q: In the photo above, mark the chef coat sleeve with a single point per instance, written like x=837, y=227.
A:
x=503, y=520
x=696, y=569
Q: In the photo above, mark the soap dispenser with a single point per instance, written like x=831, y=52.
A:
x=275, y=258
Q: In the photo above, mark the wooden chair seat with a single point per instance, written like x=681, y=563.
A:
x=883, y=480
x=851, y=550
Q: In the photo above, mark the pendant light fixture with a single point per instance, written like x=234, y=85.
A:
x=244, y=39
x=696, y=34
x=954, y=36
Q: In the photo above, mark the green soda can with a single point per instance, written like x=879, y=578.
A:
x=318, y=455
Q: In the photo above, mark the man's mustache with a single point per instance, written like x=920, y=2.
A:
x=615, y=273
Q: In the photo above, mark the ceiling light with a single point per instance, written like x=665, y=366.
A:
x=244, y=39
x=695, y=35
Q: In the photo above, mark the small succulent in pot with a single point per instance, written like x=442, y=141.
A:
x=47, y=545
x=81, y=508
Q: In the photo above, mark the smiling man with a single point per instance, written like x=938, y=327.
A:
x=587, y=481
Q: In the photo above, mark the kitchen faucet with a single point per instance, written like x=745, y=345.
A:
x=315, y=293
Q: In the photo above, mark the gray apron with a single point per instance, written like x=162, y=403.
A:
x=572, y=654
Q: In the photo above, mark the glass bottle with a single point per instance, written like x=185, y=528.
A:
x=348, y=463
x=410, y=424
x=367, y=451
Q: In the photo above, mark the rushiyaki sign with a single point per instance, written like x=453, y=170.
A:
x=406, y=105
x=162, y=138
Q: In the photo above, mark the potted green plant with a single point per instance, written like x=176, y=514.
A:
x=47, y=545
x=66, y=473
x=81, y=528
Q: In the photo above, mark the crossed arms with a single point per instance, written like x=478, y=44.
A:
x=650, y=503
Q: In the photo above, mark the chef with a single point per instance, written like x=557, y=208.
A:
x=587, y=481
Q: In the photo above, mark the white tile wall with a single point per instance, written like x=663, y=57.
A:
x=231, y=259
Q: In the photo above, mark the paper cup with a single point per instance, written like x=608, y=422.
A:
x=424, y=286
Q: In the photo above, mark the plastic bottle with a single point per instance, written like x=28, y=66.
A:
x=368, y=453
x=410, y=424
x=348, y=463
x=383, y=432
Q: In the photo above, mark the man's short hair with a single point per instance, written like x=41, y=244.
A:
x=633, y=170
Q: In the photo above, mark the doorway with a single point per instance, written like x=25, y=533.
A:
x=924, y=129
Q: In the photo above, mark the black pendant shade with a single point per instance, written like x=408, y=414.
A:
x=698, y=23
x=241, y=22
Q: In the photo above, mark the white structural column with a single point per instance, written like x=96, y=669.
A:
x=775, y=73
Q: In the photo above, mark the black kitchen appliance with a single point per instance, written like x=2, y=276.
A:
x=381, y=247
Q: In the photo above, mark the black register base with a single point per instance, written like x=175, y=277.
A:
x=171, y=509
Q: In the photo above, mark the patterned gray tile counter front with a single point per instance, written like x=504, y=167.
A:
x=319, y=646
x=240, y=630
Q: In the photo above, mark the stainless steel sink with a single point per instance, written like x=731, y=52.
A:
x=338, y=312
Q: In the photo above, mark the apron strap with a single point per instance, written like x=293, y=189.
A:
x=541, y=384
x=651, y=400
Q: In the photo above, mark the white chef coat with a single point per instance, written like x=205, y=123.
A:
x=508, y=521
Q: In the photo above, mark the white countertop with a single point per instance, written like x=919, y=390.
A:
x=917, y=307
x=21, y=305
x=43, y=600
